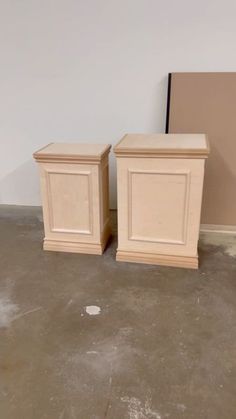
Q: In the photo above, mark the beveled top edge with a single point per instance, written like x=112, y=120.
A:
x=72, y=151
x=163, y=144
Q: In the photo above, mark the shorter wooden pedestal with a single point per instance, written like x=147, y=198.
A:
x=74, y=186
x=160, y=180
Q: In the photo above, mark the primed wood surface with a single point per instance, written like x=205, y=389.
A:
x=72, y=151
x=162, y=144
x=159, y=202
x=75, y=197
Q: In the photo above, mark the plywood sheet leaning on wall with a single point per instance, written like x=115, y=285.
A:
x=206, y=103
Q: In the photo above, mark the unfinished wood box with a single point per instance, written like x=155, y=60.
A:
x=74, y=187
x=160, y=182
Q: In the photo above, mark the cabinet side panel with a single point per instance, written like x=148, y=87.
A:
x=105, y=228
x=105, y=215
x=44, y=198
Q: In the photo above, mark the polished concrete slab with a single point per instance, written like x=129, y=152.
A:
x=86, y=337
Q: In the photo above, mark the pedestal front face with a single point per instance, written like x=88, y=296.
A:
x=159, y=199
x=75, y=206
x=159, y=204
x=71, y=201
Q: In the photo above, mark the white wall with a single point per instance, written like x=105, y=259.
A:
x=92, y=70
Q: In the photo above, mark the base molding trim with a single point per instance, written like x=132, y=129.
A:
x=156, y=259
x=72, y=247
x=215, y=228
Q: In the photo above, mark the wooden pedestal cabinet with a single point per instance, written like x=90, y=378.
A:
x=160, y=180
x=74, y=186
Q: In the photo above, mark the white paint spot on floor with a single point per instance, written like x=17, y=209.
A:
x=8, y=311
x=91, y=352
x=137, y=410
x=93, y=310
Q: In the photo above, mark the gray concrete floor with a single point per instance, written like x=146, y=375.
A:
x=162, y=346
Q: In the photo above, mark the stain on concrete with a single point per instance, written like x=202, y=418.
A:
x=226, y=241
x=8, y=311
x=139, y=410
x=181, y=407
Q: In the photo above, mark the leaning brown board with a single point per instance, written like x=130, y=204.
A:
x=206, y=103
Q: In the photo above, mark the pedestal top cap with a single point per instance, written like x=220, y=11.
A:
x=72, y=152
x=163, y=145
